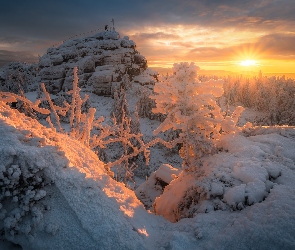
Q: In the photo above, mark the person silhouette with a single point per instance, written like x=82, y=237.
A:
x=106, y=27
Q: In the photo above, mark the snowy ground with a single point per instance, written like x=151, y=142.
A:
x=86, y=209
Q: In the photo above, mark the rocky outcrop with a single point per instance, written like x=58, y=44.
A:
x=102, y=59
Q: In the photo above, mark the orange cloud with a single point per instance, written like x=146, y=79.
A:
x=213, y=47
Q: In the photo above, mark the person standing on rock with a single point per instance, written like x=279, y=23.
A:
x=113, y=21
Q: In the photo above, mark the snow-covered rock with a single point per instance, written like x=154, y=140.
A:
x=155, y=184
x=104, y=56
x=102, y=59
x=52, y=73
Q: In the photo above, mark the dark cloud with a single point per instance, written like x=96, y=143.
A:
x=157, y=35
x=57, y=19
x=16, y=56
x=239, y=14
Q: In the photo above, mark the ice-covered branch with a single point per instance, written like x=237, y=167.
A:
x=52, y=106
x=145, y=149
x=8, y=97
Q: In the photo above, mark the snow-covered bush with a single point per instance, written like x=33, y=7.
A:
x=67, y=98
x=24, y=107
x=191, y=107
x=129, y=139
x=18, y=76
x=232, y=180
x=21, y=185
x=25, y=174
x=92, y=132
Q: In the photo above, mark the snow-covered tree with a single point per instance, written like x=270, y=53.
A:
x=191, y=107
x=120, y=105
x=126, y=83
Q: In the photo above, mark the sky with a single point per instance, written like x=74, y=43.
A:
x=226, y=35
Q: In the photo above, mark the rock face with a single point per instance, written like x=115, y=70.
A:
x=102, y=59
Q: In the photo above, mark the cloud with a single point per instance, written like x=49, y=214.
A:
x=61, y=19
x=154, y=36
x=163, y=30
x=16, y=56
x=269, y=47
x=11, y=39
x=279, y=45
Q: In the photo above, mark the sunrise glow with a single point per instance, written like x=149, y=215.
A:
x=247, y=63
x=226, y=49
x=186, y=32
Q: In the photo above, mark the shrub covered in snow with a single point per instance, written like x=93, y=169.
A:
x=18, y=76
x=92, y=132
x=225, y=181
x=120, y=104
x=24, y=177
x=191, y=107
x=21, y=183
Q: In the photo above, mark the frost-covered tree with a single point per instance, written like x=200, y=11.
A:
x=191, y=107
x=126, y=81
x=120, y=105
x=145, y=106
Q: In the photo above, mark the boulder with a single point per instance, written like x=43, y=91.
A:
x=45, y=61
x=87, y=65
x=54, y=86
x=103, y=89
x=68, y=54
x=56, y=59
x=109, y=45
x=140, y=60
x=52, y=73
x=101, y=80
x=105, y=76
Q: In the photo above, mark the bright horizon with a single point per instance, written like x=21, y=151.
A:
x=224, y=50
x=227, y=36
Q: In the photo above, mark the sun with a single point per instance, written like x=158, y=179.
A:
x=247, y=63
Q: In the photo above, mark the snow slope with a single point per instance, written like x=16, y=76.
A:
x=80, y=215
x=83, y=208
